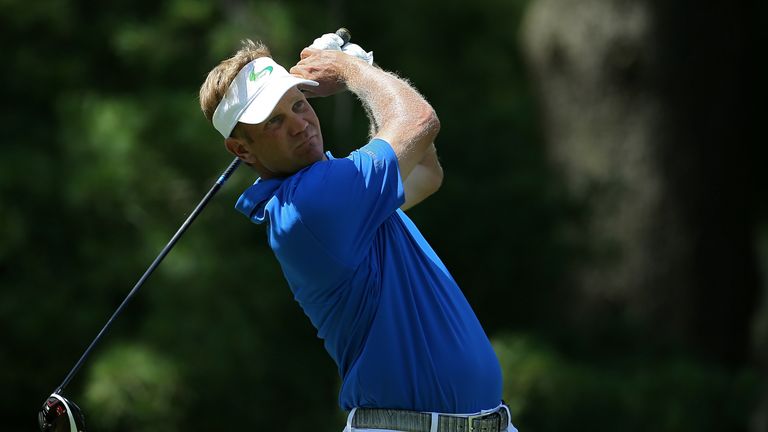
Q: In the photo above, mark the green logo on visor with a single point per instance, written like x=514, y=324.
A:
x=255, y=76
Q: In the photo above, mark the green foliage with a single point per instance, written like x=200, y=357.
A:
x=548, y=391
x=105, y=152
x=131, y=387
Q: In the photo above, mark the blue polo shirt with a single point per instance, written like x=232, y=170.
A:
x=391, y=316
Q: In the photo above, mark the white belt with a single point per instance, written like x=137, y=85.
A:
x=492, y=420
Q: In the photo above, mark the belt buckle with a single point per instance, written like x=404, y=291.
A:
x=471, y=421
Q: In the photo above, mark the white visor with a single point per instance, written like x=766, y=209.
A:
x=253, y=94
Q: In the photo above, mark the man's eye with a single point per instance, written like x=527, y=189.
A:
x=273, y=121
x=300, y=105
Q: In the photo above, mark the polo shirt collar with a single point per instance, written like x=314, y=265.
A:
x=253, y=201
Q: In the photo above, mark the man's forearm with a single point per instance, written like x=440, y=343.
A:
x=400, y=115
x=373, y=128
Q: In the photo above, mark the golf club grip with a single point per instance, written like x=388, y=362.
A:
x=199, y=208
x=344, y=34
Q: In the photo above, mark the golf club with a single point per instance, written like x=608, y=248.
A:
x=60, y=414
x=344, y=34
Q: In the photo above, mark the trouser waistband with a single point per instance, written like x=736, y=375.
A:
x=495, y=420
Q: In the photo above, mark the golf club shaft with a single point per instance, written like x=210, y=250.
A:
x=222, y=179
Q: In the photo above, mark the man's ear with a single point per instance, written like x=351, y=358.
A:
x=237, y=147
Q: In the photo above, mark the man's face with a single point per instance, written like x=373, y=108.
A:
x=287, y=141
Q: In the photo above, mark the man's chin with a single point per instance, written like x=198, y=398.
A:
x=315, y=150
x=312, y=158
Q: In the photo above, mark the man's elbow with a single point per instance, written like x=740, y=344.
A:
x=429, y=124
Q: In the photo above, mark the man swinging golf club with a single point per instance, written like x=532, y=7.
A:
x=410, y=351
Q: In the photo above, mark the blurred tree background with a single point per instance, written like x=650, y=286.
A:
x=618, y=257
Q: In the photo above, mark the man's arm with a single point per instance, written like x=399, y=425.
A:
x=424, y=180
x=401, y=116
x=426, y=177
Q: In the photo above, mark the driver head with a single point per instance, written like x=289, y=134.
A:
x=60, y=415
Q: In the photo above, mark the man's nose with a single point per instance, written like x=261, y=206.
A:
x=297, y=124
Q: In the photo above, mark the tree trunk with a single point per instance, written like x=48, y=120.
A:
x=646, y=113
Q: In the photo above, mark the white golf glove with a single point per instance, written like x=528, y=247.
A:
x=332, y=41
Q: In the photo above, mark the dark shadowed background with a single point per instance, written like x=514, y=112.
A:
x=603, y=209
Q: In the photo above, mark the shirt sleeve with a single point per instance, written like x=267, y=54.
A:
x=344, y=201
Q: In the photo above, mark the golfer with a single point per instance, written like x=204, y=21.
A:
x=410, y=351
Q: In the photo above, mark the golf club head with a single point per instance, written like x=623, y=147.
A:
x=60, y=415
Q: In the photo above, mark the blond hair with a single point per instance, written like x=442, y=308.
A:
x=219, y=79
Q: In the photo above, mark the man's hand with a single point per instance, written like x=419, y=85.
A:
x=328, y=68
x=334, y=42
x=400, y=115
